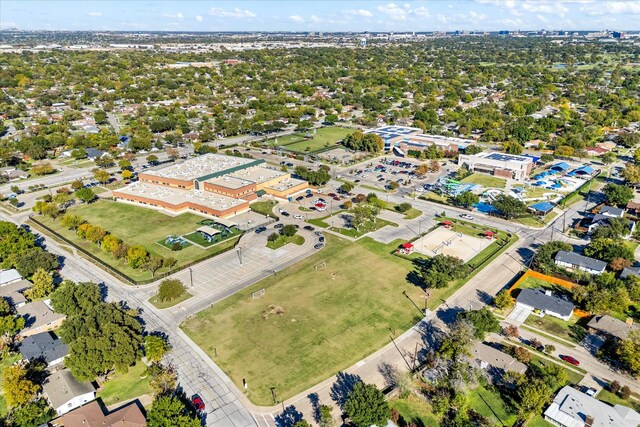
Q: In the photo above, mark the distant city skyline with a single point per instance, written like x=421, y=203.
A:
x=335, y=15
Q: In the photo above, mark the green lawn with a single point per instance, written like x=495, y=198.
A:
x=414, y=409
x=166, y=304
x=570, y=331
x=197, y=238
x=538, y=421
x=486, y=181
x=310, y=324
x=366, y=228
x=121, y=387
x=283, y=240
x=7, y=361
x=265, y=208
x=323, y=138
x=574, y=377
x=137, y=225
x=490, y=404
x=613, y=399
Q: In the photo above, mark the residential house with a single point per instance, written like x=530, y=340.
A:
x=544, y=302
x=606, y=213
x=573, y=408
x=13, y=174
x=9, y=276
x=45, y=346
x=39, y=317
x=495, y=361
x=611, y=326
x=65, y=393
x=633, y=208
x=630, y=271
x=14, y=292
x=574, y=261
x=95, y=415
x=94, y=154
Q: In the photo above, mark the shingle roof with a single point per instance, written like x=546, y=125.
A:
x=61, y=387
x=8, y=276
x=580, y=260
x=538, y=299
x=628, y=271
x=611, y=211
x=496, y=358
x=93, y=415
x=43, y=345
x=13, y=291
x=570, y=407
x=612, y=326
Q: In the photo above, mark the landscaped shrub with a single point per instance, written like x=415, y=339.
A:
x=170, y=289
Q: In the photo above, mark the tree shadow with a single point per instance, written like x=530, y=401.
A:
x=315, y=406
x=430, y=334
x=288, y=417
x=344, y=384
x=449, y=314
x=414, y=278
x=389, y=373
x=483, y=296
x=525, y=254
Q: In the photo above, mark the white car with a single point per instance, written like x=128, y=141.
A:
x=466, y=216
x=296, y=216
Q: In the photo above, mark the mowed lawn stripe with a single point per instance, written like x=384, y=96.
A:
x=310, y=324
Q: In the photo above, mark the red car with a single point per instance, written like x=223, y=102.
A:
x=570, y=359
x=197, y=402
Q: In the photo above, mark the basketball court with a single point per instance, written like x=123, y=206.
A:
x=450, y=242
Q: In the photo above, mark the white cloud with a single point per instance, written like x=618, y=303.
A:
x=315, y=19
x=235, y=13
x=198, y=18
x=555, y=8
x=360, y=12
x=612, y=8
x=173, y=15
x=422, y=11
x=8, y=24
x=94, y=13
x=296, y=18
x=394, y=11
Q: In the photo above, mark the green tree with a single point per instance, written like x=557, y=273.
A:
x=110, y=243
x=152, y=159
x=512, y=147
x=162, y=379
x=136, y=256
x=170, y=289
x=85, y=194
x=617, y=194
x=101, y=176
x=609, y=158
x=29, y=262
x=71, y=221
x=153, y=264
x=42, y=285
x=126, y=174
x=366, y=406
x=155, y=347
x=289, y=230
x=457, y=343
x=466, y=199
x=346, y=187
x=483, y=321
x=326, y=419
x=629, y=352
x=503, y=300
x=73, y=299
x=32, y=414
x=608, y=249
x=509, y=206
x=18, y=389
x=169, y=411
x=533, y=394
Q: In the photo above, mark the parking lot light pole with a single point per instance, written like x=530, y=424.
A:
x=191, y=276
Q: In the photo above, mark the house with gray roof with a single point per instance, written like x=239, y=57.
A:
x=630, y=271
x=573, y=408
x=9, y=276
x=65, y=393
x=494, y=361
x=14, y=292
x=544, y=302
x=574, y=261
x=611, y=326
x=45, y=346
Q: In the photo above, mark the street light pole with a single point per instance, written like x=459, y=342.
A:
x=191, y=276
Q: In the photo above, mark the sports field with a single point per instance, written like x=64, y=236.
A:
x=450, y=242
x=136, y=226
x=309, y=324
x=324, y=137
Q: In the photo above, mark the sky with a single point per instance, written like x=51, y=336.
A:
x=320, y=15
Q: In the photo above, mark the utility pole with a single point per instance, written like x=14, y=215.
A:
x=398, y=348
x=240, y=254
x=191, y=276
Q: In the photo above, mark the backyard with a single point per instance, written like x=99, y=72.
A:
x=323, y=138
x=310, y=323
x=122, y=387
x=8, y=360
x=136, y=226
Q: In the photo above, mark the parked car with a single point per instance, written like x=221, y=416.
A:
x=261, y=229
x=299, y=198
x=318, y=233
x=279, y=225
x=308, y=227
x=297, y=216
x=466, y=216
x=285, y=213
x=321, y=239
x=318, y=246
x=197, y=402
x=570, y=359
x=309, y=195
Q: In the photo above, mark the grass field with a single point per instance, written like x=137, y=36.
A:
x=486, y=181
x=613, y=399
x=136, y=226
x=323, y=138
x=283, y=240
x=538, y=421
x=264, y=208
x=121, y=387
x=414, y=409
x=366, y=228
x=570, y=331
x=310, y=324
x=166, y=304
x=490, y=404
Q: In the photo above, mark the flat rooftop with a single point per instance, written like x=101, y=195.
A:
x=229, y=181
x=286, y=184
x=176, y=196
x=502, y=157
x=202, y=166
x=258, y=174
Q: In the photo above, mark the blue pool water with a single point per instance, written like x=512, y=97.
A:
x=485, y=208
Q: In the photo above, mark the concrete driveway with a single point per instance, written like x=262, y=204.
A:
x=519, y=314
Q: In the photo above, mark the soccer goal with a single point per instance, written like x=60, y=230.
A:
x=258, y=294
x=320, y=265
